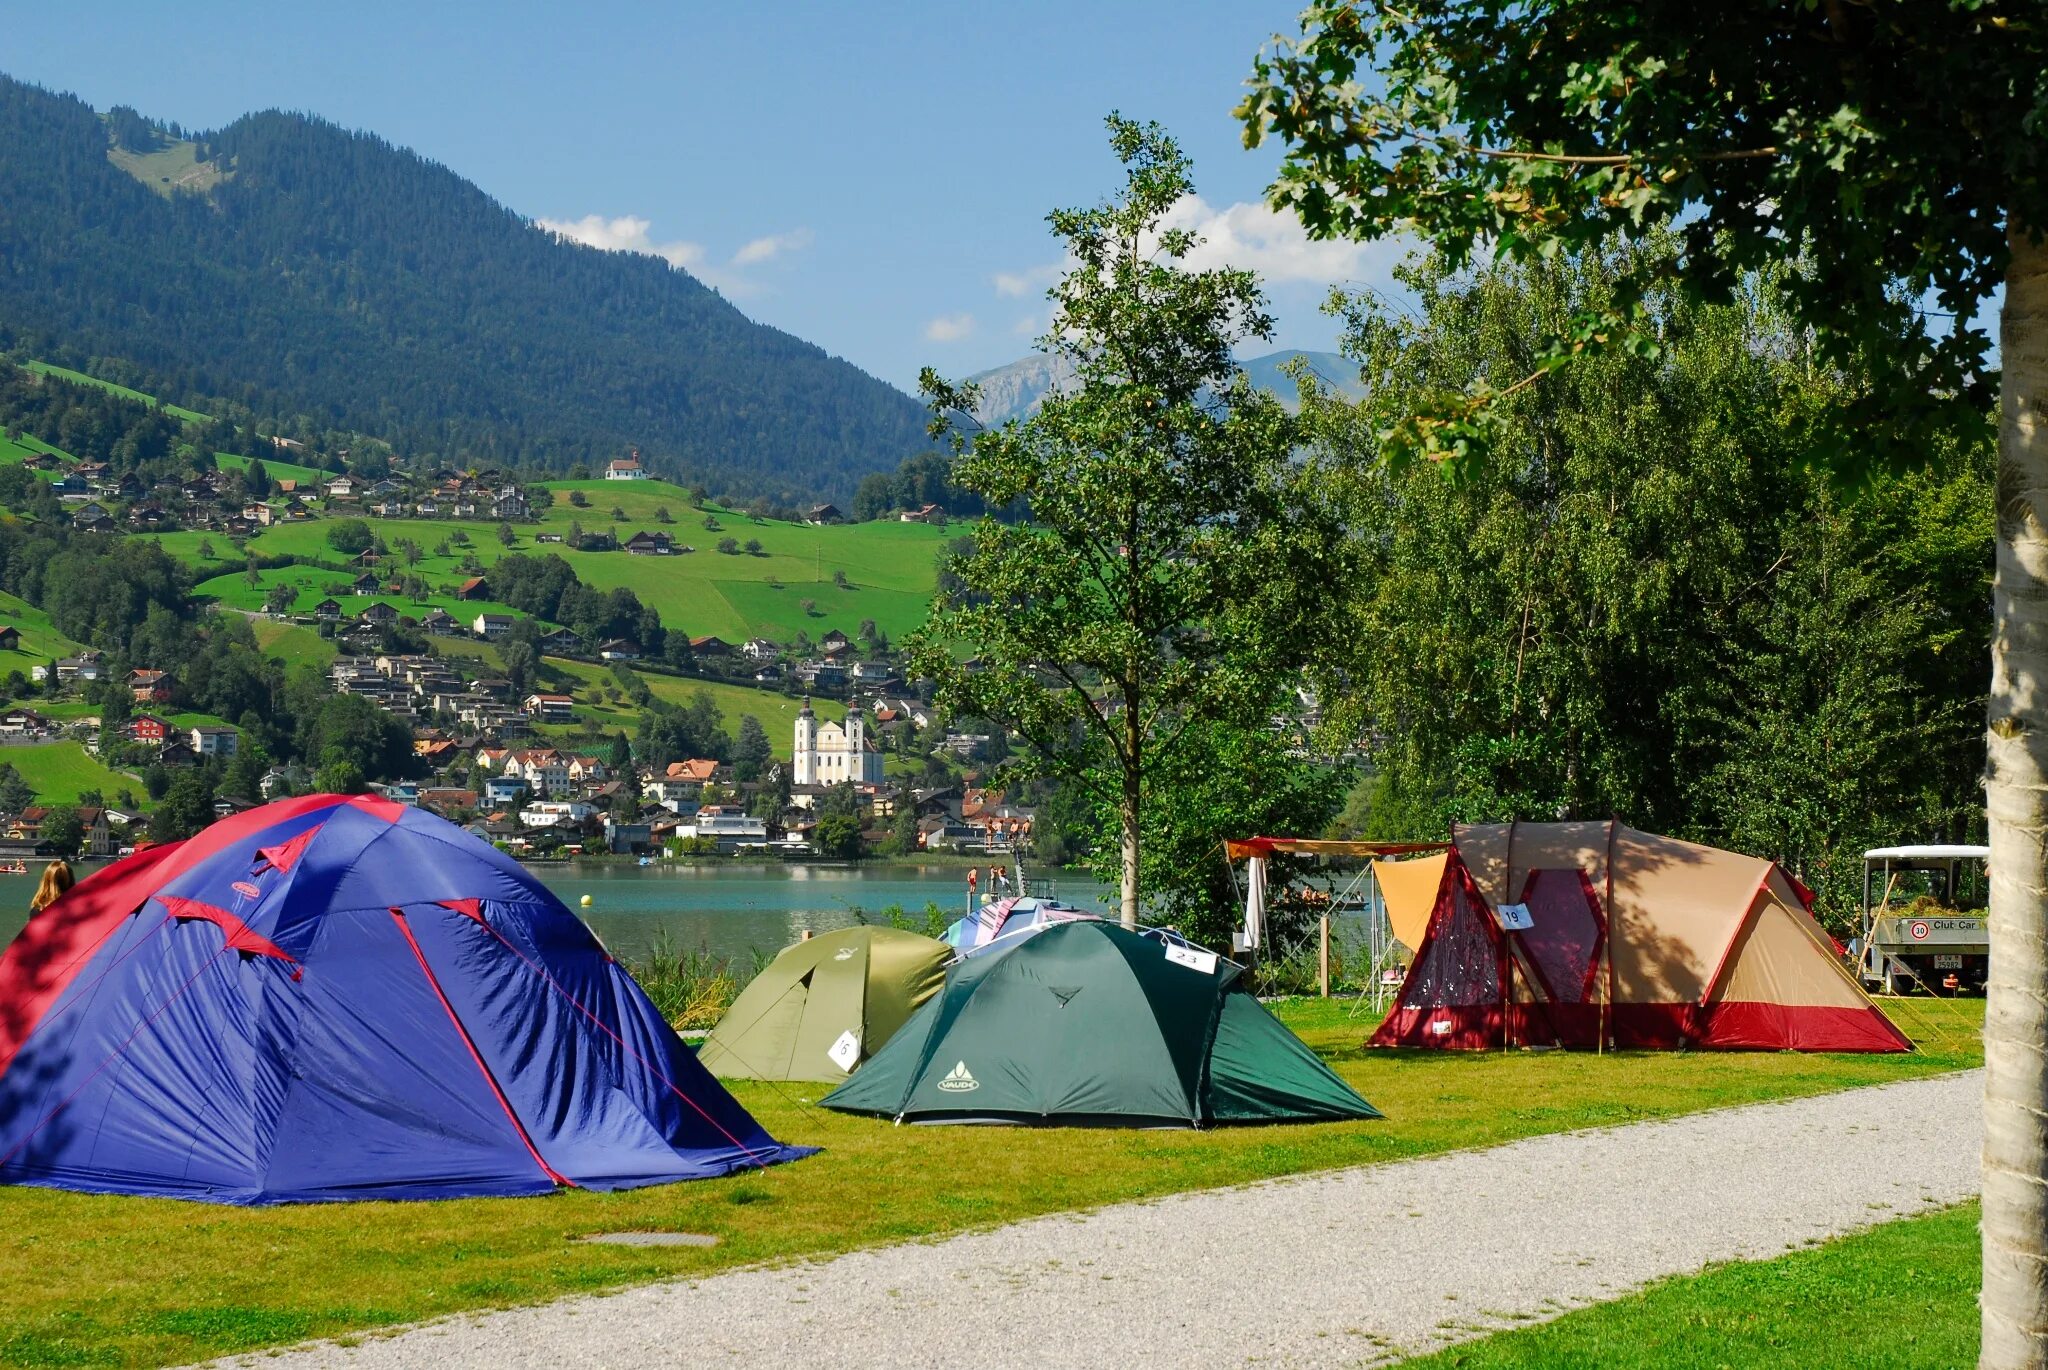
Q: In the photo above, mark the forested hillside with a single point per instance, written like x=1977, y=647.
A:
x=290, y=266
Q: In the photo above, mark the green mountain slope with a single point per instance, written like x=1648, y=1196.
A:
x=311, y=269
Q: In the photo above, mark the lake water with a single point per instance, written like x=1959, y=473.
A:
x=729, y=910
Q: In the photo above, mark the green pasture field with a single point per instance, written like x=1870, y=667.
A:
x=94, y=1280
x=1896, y=1297
x=890, y=568
x=276, y=470
x=40, y=641
x=590, y=683
x=293, y=643
x=79, y=377
x=59, y=772
x=233, y=591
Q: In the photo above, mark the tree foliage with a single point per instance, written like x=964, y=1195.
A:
x=1175, y=560
x=1646, y=604
x=1882, y=144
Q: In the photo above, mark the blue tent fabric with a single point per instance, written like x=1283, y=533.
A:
x=383, y=1008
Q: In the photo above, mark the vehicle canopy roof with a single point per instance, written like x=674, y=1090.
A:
x=1937, y=852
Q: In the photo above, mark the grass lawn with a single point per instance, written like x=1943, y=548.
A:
x=277, y=470
x=90, y=1280
x=293, y=643
x=60, y=771
x=40, y=640
x=890, y=568
x=80, y=378
x=1902, y=1295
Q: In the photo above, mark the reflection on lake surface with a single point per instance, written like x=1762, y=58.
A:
x=729, y=910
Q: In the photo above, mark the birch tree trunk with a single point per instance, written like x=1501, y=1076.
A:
x=2015, y=1299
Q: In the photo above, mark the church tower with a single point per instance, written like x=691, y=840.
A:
x=806, y=755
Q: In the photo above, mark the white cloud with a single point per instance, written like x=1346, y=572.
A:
x=1274, y=244
x=949, y=327
x=1030, y=281
x=629, y=233
x=1247, y=235
x=773, y=246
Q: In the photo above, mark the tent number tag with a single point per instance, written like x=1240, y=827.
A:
x=1203, y=961
x=845, y=1051
x=1514, y=917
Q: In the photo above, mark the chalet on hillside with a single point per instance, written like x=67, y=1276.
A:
x=327, y=611
x=473, y=588
x=625, y=468
x=710, y=646
x=366, y=584
x=619, y=649
x=650, y=545
x=561, y=642
x=821, y=514
x=10, y=638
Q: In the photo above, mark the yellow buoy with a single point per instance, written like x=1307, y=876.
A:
x=586, y=901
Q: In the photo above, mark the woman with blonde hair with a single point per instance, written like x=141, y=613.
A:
x=57, y=878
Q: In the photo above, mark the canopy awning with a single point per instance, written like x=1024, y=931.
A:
x=1242, y=848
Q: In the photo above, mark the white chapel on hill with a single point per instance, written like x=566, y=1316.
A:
x=832, y=754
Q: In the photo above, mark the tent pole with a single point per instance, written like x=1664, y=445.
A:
x=1323, y=959
x=1607, y=917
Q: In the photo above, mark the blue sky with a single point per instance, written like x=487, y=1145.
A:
x=874, y=179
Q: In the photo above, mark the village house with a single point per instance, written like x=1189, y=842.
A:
x=644, y=544
x=150, y=687
x=561, y=642
x=10, y=638
x=473, y=588
x=618, y=649
x=625, y=468
x=822, y=514
x=20, y=722
x=924, y=513
x=212, y=740
x=491, y=627
x=327, y=611
x=550, y=708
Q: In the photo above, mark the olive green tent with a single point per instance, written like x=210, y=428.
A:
x=1086, y=1023
x=825, y=1005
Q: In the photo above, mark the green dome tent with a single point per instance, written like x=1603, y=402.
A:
x=825, y=1005
x=1086, y=1023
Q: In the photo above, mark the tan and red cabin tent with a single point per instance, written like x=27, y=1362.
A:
x=1569, y=934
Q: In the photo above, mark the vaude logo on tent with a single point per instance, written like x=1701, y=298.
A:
x=958, y=1081
x=843, y=954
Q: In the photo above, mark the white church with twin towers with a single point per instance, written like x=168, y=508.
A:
x=832, y=754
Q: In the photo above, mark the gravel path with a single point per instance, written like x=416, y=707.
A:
x=1354, y=1267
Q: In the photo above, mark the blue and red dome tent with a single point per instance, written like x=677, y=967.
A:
x=341, y=998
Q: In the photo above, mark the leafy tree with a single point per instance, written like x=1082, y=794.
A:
x=281, y=598
x=839, y=579
x=339, y=774
x=62, y=831
x=809, y=608
x=186, y=807
x=729, y=546
x=618, y=514
x=1175, y=556
x=1896, y=153
x=662, y=515
x=837, y=836
x=506, y=537
x=351, y=537
x=579, y=500
x=752, y=752
x=753, y=546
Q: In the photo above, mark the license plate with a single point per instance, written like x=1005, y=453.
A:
x=1948, y=962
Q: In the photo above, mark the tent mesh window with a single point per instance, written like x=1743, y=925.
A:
x=1460, y=963
x=1564, y=939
